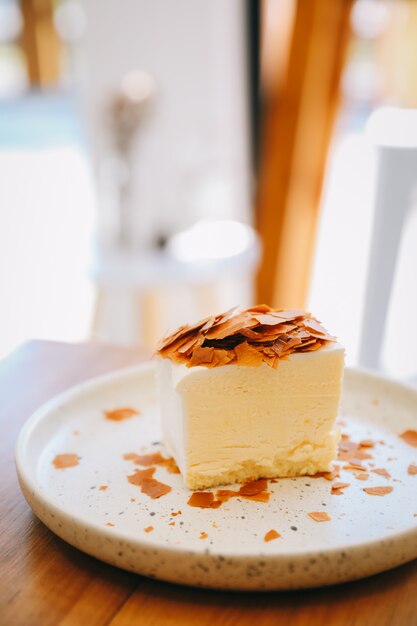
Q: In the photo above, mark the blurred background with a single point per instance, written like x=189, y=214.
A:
x=160, y=161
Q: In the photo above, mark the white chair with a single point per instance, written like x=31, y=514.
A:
x=393, y=132
x=141, y=295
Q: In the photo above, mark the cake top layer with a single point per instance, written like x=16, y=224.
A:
x=245, y=337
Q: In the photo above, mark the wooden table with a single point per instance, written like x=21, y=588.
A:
x=44, y=581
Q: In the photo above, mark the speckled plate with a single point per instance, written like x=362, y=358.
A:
x=93, y=507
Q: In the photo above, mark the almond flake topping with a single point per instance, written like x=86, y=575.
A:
x=248, y=337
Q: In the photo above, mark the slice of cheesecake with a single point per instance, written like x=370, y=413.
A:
x=250, y=394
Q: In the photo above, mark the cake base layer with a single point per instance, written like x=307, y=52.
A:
x=304, y=461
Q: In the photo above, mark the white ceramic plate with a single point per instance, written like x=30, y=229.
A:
x=366, y=534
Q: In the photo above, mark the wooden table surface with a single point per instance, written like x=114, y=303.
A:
x=44, y=581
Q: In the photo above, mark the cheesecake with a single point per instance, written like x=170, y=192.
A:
x=250, y=394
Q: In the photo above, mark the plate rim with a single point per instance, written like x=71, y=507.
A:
x=30, y=486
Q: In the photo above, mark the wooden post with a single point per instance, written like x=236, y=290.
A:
x=298, y=124
x=39, y=41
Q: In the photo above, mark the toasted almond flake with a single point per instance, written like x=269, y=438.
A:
x=410, y=437
x=263, y=496
x=103, y=487
x=203, y=535
x=148, y=459
x=171, y=524
x=139, y=476
x=248, y=355
x=412, y=469
x=253, y=487
x=245, y=337
x=259, y=308
x=381, y=471
x=319, y=516
x=366, y=443
x=337, y=486
x=348, y=446
x=354, y=467
x=130, y=456
x=148, y=529
x=61, y=461
x=108, y=524
x=271, y=535
x=362, y=456
x=149, y=486
x=378, y=491
x=153, y=488
x=362, y=476
x=170, y=465
x=225, y=494
x=203, y=500
x=354, y=452
x=155, y=458
x=335, y=473
x=117, y=415
x=344, y=456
